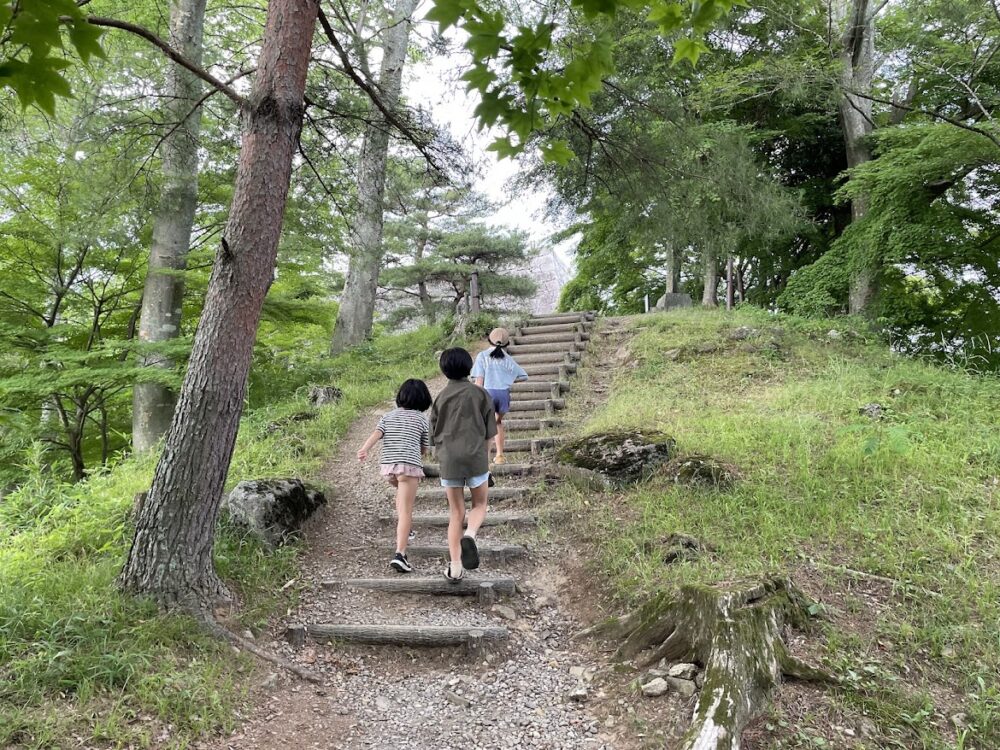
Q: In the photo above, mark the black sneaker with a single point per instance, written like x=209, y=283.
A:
x=400, y=563
x=470, y=553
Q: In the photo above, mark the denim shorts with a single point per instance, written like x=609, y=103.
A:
x=501, y=399
x=470, y=482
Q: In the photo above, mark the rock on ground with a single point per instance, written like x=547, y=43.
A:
x=272, y=509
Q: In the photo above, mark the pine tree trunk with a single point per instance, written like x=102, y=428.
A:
x=171, y=555
x=160, y=320
x=673, y=271
x=710, y=295
x=857, y=58
x=357, y=303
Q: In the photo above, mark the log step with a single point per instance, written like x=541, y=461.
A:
x=404, y=635
x=543, y=358
x=538, y=386
x=562, y=370
x=574, y=350
x=550, y=338
x=513, y=425
x=532, y=445
x=532, y=404
x=434, y=585
x=532, y=329
x=441, y=519
x=578, y=315
x=434, y=470
x=436, y=492
x=498, y=551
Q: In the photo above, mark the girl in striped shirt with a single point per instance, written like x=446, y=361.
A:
x=405, y=436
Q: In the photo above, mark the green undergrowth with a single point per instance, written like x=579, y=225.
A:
x=81, y=665
x=913, y=496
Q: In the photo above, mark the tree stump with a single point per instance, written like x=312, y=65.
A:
x=736, y=633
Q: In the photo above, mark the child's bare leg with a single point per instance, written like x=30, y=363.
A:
x=501, y=435
x=456, y=516
x=406, y=493
x=477, y=513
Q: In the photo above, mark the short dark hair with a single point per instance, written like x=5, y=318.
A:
x=413, y=394
x=456, y=363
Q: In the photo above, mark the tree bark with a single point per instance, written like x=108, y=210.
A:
x=710, y=295
x=730, y=292
x=673, y=271
x=737, y=634
x=171, y=555
x=857, y=59
x=475, y=297
x=357, y=303
x=163, y=292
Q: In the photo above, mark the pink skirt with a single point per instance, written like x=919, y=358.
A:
x=405, y=470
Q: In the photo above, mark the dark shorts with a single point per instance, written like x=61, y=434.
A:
x=501, y=400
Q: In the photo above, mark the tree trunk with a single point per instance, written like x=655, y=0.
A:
x=357, y=303
x=475, y=300
x=160, y=319
x=857, y=59
x=171, y=555
x=736, y=634
x=730, y=292
x=673, y=270
x=710, y=295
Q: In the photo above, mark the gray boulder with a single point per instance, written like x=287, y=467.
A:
x=621, y=456
x=673, y=300
x=273, y=510
x=321, y=395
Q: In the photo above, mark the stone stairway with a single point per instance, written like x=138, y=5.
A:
x=549, y=348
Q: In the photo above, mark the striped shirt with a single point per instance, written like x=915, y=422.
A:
x=497, y=374
x=404, y=433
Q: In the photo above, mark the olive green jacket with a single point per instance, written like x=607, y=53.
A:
x=462, y=420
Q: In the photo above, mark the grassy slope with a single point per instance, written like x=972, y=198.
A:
x=78, y=659
x=913, y=497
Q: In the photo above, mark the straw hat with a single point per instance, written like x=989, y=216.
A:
x=499, y=337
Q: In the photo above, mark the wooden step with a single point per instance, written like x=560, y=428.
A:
x=436, y=492
x=434, y=585
x=560, y=370
x=579, y=315
x=532, y=329
x=404, y=635
x=437, y=520
x=513, y=425
x=530, y=445
x=434, y=470
x=575, y=350
x=544, y=359
x=550, y=338
x=538, y=386
x=497, y=551
x=532, y=404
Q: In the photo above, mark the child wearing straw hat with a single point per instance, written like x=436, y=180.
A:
x=496, y=371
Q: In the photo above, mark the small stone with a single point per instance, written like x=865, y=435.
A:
x=947, y=652
x=652, y=674
x=383, y=704
x=609, y=722
x=672, y=355
x=833, y=334
x=742, y=333
x=683, y=671
x=578, y=694
x=686, y=688
x=707, y=347
x=458, y=700
x=872, y=411
x=655, y=688
x=270, y=681
x=248, y=635
x=699, y=680
x=960, y=720
x=507, y=613
x=577, y=672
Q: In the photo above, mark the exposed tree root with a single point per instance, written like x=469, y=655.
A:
x=735, y=633
x=219, y=631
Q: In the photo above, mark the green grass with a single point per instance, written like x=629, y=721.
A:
x=78, y=660
x=914, y=497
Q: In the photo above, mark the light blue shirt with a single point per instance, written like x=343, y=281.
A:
x=497, y=374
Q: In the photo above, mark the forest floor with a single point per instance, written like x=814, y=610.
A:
x=518, y=696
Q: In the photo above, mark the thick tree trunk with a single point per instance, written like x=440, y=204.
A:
x=475, y=298
x=171, y=555
x=857, y=58
x=160, y=319
x=673, y=271
x=357, y=303
x=710, y=295
x=736, y=634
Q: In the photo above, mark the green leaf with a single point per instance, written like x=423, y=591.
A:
x=505, y=148
x=669, y=17
x=447, y=12
x=689, y=49
x=479, y=78
x=558, y=152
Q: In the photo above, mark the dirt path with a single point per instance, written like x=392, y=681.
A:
x=535, y=690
